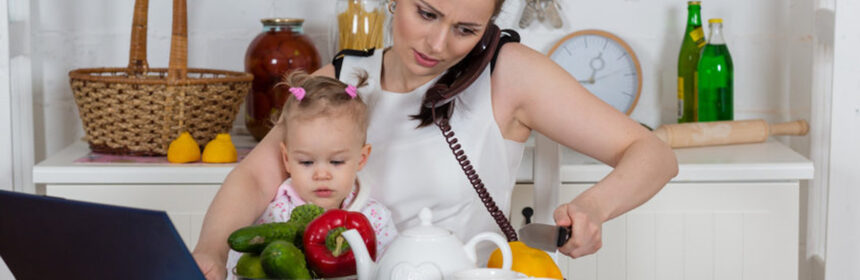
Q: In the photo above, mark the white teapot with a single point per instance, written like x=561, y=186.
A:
x=423, y=252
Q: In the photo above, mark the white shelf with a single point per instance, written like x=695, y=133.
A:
x=768, y=161
x=61, y=168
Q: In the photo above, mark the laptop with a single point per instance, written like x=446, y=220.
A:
x=54, y=238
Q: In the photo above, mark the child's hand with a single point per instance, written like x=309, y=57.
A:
x=211, y=266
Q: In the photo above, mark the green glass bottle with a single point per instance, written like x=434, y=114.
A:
x=688, y=59
x=715, y=78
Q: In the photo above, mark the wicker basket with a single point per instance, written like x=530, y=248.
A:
x=138, y=110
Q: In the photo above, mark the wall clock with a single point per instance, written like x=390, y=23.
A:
x=604, y=64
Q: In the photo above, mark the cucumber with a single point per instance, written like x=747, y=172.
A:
x=253, y=239
x=281, y=259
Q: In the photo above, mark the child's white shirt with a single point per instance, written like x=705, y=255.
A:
x=287, y=199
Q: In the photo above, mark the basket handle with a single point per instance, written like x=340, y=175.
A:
x=178, y=65
x=137, y=64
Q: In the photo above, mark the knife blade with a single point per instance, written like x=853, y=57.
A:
x=543, y=236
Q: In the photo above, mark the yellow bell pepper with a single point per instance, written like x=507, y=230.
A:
x=529, y=261
x=220, y=150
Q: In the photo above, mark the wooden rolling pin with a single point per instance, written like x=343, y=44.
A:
x=725, y=132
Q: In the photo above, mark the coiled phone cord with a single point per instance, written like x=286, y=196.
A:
x=475, y=180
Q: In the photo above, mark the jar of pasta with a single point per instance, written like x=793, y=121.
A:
x=360, y=24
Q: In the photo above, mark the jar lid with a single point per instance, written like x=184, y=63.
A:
x=282, y=21
x=426, y=229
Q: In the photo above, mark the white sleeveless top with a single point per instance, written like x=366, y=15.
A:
x=410, y=168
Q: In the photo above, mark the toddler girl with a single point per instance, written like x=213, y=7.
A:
x=323, y=147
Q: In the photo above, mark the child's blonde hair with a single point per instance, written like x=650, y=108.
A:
x=324, y=96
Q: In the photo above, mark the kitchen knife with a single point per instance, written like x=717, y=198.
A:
x=543, y=236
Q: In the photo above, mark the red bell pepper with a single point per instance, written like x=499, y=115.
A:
x=336, y=262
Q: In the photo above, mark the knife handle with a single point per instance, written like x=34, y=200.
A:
x=563, y=236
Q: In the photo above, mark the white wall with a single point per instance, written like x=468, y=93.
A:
x=770, y=41
x=5, y=103
x=95, y=33
x=843, y=215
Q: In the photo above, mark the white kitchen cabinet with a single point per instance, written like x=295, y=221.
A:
x=184, y=191
x=731, y=213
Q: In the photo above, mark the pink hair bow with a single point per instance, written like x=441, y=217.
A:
x=298, y=92
x=351, y=90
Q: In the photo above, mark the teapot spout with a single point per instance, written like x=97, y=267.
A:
x=364, y=265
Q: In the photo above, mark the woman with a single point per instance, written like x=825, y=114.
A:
x=412, y=166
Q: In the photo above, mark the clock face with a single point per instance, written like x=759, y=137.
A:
x=603, y=64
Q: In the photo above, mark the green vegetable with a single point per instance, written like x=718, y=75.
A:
x=283, y=260
x=250, y=266
x=335, y=242
x=253, y=239
x=302, y=215
x=306, y=213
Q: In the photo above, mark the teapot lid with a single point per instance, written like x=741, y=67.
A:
x=426, y=229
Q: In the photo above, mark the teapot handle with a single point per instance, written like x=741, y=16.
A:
x=501, y=242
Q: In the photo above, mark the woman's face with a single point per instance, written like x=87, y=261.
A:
x=430, y=36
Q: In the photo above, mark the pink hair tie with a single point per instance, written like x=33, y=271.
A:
x=351, y=90
x=298, y=92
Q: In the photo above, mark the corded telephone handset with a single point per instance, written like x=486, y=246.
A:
x=443, y=92
x=439, y=98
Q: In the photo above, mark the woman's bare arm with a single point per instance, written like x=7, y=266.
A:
x=532, y=92
x=244, y=195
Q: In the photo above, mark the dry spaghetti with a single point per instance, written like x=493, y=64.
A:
x=360, y=25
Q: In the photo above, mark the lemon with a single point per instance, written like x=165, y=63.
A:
x=183, y=149
x=249, y=265
x=528, y=261
x=220, y=150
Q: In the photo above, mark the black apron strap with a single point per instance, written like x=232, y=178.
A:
x=508, y=35
x=337, y=62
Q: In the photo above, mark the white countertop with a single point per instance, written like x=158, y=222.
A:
x=768, y=161
x=749, y=162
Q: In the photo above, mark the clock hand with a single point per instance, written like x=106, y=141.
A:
x=607, y=75
x=590, y=80
x=594, y=68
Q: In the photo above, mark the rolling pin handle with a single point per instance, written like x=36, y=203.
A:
x=799, y=127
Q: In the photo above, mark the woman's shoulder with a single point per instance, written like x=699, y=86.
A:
x=327, y=71
x=520, y=75
x=515, y=55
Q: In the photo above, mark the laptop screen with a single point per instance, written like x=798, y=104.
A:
x=54, y=238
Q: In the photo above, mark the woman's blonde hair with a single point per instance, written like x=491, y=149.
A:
x=324, y=96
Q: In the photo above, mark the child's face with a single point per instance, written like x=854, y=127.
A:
x=322, y=156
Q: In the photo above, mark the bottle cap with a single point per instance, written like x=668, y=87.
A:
x=694, y=2
x=715, y=20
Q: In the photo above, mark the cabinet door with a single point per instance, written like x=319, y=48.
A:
x=186, y=205
x=693, y=231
